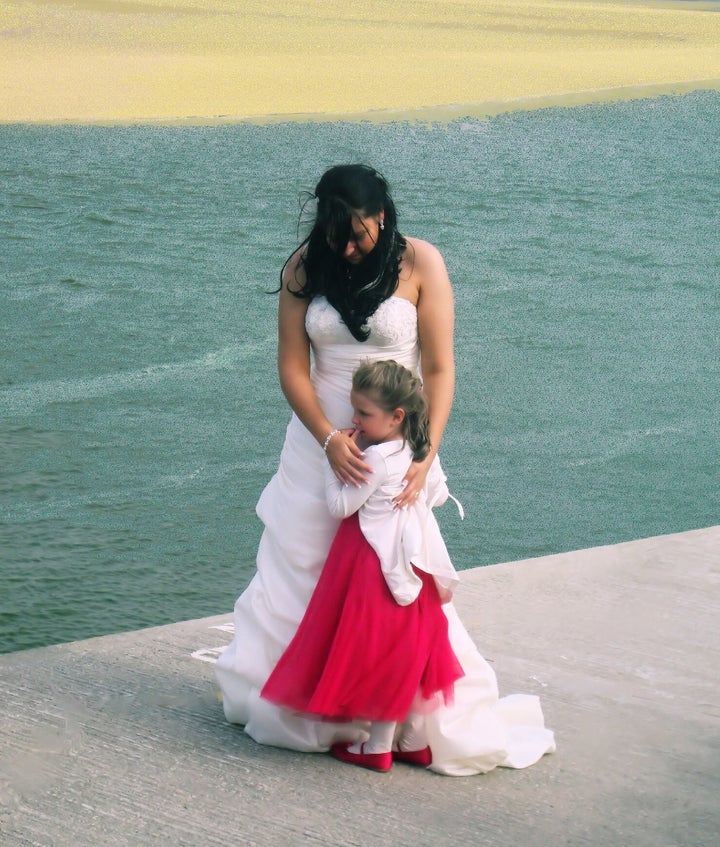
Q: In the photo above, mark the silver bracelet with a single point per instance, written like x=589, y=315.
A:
x=330, y=434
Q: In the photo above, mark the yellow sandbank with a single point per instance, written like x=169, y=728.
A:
x=202, y=61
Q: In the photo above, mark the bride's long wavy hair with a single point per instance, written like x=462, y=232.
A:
x=392, y=386
x=356, y=291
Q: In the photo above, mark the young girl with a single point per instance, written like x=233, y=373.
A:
x=373, y=644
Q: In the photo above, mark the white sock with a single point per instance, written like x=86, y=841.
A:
x=413, y=736
x=380, y=740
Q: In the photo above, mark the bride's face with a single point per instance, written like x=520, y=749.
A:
x=364, y=234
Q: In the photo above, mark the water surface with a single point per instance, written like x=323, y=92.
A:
x=140, y=413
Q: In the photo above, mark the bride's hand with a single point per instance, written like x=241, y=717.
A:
x=414, y=484
x=345, y=458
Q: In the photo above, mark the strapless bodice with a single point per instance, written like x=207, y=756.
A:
x=336, y=354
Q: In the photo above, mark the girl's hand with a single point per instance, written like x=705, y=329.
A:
x=346, y=458
x=414, y=484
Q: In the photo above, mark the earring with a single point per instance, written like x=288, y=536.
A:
x=382, y=224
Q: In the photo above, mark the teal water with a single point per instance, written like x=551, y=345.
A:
x=140, y=414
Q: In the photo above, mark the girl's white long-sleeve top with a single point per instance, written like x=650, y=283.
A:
x=402, y=538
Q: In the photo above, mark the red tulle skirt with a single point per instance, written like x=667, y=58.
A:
x=357, y=654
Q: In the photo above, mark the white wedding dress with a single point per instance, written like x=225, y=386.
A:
x=480, y=731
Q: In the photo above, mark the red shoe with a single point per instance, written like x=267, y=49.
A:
x=373, y=761
x=413, y=757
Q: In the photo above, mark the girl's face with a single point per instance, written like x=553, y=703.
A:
x=364, y=234
x=374, y=424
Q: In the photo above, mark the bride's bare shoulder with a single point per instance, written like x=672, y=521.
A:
x=293, y=274
x=423, y=260
x=422, y=253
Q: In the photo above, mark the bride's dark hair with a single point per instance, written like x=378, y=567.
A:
x=356, y=291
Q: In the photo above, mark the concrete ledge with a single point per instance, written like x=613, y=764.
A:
x=120, y=740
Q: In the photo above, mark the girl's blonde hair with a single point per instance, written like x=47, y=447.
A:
x=392, y=386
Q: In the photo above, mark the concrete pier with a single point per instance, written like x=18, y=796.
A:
x=121, y=740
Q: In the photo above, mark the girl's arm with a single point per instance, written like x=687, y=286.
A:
x=436, y=321
x=343, y=454
x=345, y=500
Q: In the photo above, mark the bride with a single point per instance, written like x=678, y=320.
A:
x=357, y=289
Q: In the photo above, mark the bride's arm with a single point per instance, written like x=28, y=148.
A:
x=343, y=454
x=436, y=320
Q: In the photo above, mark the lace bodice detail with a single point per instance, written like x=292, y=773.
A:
x=394, y=322
x=336, y=353
x=393, y=334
